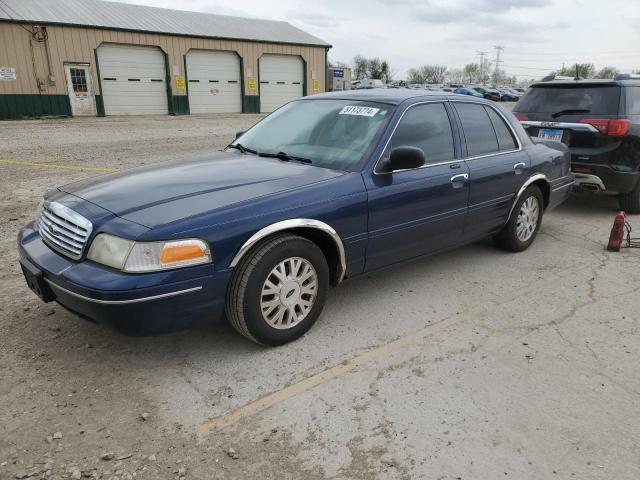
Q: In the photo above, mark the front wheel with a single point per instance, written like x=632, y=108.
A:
x=278, y=290
x=523, y=226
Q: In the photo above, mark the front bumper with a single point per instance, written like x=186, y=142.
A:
x=146, y=304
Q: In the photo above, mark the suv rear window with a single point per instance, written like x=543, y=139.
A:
x=633, y=100
x=598, y=100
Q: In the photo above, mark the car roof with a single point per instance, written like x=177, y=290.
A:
x=586, y=83
x=391, y=96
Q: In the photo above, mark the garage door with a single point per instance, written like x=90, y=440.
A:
x=281, y=80
x=214, y=82
x=133, y=80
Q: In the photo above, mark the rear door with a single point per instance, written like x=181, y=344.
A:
x=497, y=165
x=418, y=211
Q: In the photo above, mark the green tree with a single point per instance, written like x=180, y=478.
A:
x=371, y=68
x=360, y=67
x=472, y=73
x=607, y=72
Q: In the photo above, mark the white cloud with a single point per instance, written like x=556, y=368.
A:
x=537, y=34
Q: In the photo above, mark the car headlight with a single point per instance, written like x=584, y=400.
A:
x=141, y=257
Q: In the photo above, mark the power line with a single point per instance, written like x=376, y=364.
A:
x=530, y=68
x=567, y=54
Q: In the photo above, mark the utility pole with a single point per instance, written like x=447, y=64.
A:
x=496, y=74
x=482, y=54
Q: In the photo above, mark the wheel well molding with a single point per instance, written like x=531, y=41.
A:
x=292, y=225
x=530, y=181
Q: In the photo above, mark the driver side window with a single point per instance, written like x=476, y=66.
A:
x=427, y=127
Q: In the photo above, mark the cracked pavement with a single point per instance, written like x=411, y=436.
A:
x=506, y=365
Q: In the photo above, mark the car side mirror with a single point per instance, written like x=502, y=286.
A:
x=240, y=133
x=403, y=158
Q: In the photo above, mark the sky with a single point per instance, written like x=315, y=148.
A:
x=538, y=36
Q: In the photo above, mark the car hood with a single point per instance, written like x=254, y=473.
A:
x=168, y=192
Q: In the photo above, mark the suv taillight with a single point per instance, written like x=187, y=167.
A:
x=611, y=128
x=522, y=117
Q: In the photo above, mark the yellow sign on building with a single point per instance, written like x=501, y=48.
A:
x=252, y=83
x=180, y=82
x=316, y=86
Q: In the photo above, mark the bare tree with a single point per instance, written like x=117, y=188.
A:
x=415, y=75
x=427, y=74
x=435, y=73
x=455, y=75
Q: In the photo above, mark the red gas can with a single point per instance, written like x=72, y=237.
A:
x=617, y=233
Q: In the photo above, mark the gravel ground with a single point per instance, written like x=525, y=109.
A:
x=475, y=364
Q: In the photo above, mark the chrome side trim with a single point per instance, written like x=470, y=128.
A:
x=295, y=223
x=530, y=180
x=584, y=127
x=121, y=302
x=562, y=187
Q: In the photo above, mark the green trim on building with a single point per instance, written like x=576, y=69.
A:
x=99, y=100
x=305, y=88
x=179, y=105
x=250, y=104
x=186, y=86
x=100, y=106
x=172, y=102
x=241, y=81
x=17, y=106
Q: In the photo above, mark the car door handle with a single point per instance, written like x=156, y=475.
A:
x=463, y=177
x=519, y=166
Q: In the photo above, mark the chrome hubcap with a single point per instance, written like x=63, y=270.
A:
x=288, y=293
x=527, y=219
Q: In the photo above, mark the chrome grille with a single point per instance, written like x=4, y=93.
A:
x=63, y=229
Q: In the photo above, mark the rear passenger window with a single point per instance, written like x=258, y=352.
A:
x=633, y=100
x=506, y=141
x=426, y=127
x=478, y=129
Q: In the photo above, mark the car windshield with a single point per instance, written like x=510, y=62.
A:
x=336, y=134
x=571, y=99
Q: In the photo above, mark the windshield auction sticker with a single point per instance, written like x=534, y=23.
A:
x=360, y=111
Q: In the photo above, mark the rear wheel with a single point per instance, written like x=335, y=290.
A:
x=278, y=290
x=630, y=202
x=523, y=226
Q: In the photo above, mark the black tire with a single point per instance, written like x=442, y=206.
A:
x=508, y=236
x=630, y=202
x=243, y=302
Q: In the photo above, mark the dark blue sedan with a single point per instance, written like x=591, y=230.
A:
x=324, y=189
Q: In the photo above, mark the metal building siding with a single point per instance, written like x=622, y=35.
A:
x=77, y=44
x=114, y=15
